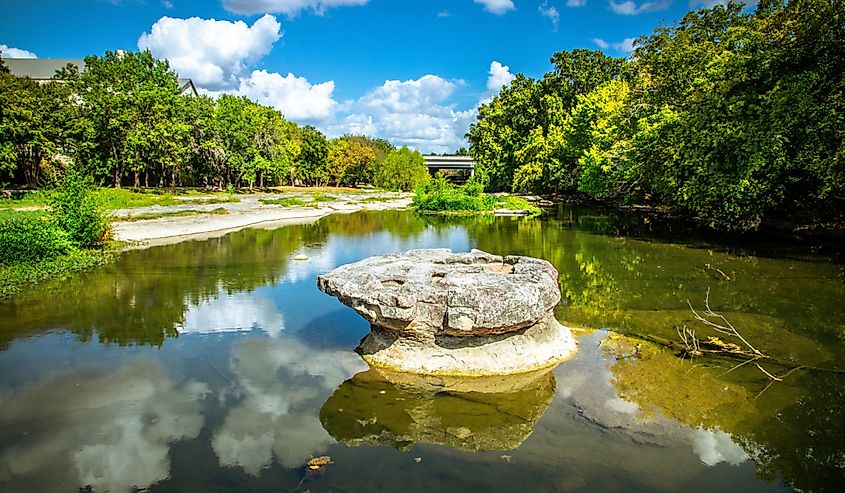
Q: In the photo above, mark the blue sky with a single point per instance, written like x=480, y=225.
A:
x=407, y=70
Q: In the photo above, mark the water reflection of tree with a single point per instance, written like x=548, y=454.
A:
x=793, y=430
x=144, y=295
x=637, y=286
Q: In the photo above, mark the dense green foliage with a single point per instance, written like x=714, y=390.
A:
x=733, y=116
x=402, y=169
x=123, y=121
x=30, y=239
x=439, y=196
x=76, y=211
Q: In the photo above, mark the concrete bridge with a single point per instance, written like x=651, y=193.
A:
x=450, y=163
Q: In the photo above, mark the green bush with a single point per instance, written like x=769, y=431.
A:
x=77, y=212
x=31, y=239
x=441, y=196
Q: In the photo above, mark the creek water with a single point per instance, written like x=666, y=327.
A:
x=217, y=365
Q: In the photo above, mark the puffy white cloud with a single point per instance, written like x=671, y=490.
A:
x=413, y=112
x=107, y=428
x=9, y=52
x=497, y=7
x=629, y=7
x=215, y=54
x=625, y=46
x=295, y=97
x=279, y=385
x=576, y=3
x=289, y=7
x=498, y=77
x=549, y=12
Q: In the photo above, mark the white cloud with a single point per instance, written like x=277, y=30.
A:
x=167, y=4
x=295, y=97
x=498, y=77
x=288, y=7
x=414, y=112
x=497, y=7
x=9, y=52
x=629, y=7
x=576, y=3
x=549, y=12
x=625, y=46
x=707, y=4
x=107, y=428
x=215, y=54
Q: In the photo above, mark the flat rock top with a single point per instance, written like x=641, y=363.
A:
x=437, y=292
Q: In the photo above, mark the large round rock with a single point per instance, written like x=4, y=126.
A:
x=443, y=313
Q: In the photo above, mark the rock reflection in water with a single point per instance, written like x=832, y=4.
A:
x=483, y=413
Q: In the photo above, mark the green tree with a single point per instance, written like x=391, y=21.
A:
x=129, y=99
x=403, y=169
x=310, y=167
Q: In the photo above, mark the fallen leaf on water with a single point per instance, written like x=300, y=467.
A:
x=506, y=458
x=418, y=459
x=301, y=257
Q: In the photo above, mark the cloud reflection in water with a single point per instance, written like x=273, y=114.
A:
x=111, y=430
x=280, y=385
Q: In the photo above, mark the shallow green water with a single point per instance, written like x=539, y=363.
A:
x=218, y=366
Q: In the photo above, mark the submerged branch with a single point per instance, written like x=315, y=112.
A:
x=744, y=357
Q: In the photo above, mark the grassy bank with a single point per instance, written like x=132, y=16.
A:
x=69, y=231
x=111, y=199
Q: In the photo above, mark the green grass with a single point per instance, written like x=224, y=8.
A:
x=287, y=202
x=515, y=204
x=38, y=198
x=13, y=213
x=229, y=199
x=322, y=197
x=145, y=216
x=122, y=198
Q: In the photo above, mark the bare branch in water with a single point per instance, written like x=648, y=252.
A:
x=727, y=329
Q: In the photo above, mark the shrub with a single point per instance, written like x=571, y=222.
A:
x=31, y=239
x=77, y=212
x=441, y=196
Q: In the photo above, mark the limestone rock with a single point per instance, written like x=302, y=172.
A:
x=435, y=312
x=433, y=292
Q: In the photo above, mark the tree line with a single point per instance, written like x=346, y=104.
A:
x=123, y=121
x=733, y=116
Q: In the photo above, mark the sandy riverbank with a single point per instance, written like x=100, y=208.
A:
x=249, y=211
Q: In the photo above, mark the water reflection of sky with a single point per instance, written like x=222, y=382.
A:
x=238, y=394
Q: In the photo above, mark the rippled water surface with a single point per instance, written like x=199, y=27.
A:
x=218, y=366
